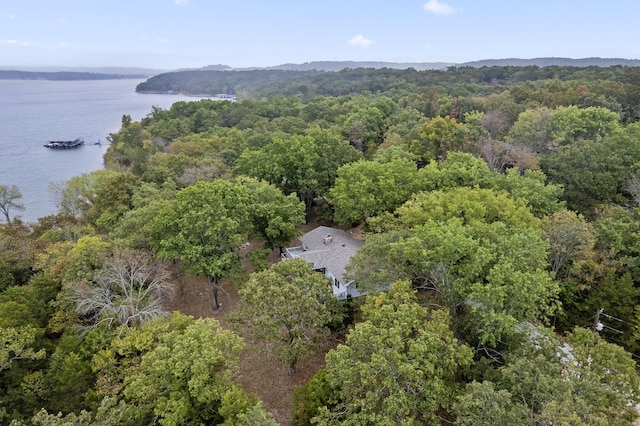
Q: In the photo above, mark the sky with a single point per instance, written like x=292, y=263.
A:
x=174, y=34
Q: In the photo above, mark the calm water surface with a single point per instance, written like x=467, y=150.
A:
x=34, y=111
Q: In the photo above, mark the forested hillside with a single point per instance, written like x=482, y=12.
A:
x=501, y=257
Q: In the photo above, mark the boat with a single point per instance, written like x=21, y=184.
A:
x=65, y=144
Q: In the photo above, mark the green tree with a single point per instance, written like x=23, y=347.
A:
x=309, y=398
x=113, y=198
x=129, y=148
x=185, y=377
x=588, y=380
x=532, y=129
x=364, y=128
x=570, y=124
x=483, y=405
x=301, y=164
x=175, y=370
x=17, y=252
x=481, y=252
x=439, y=136
x=110, y=412
x=77, y=195
x=275, y=216
x=85, y=258
x=398, y=366
x=458, y=169
x=203, y=227
x=69, y=380
x=367, y=188
x=595, y=172
x=134, y=228
x=9, y=196
x=17, y=343
x=294, y=328
x=571, y=240
x=541, y=197
x=473, y=206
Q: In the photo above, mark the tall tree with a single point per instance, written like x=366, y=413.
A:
x=9, y=196
x=173, y=370
x=204, y=227
x=571, y=240
x=302, y=164
x=583, y=380
x=290, y=306
x=398, y=366
x=186, y=377
x=368, y=188
x=112, y=199
x=439, y=136
x=482, y=252
x=18, y=343
x=77, y=195
x=570, y=124
x=275, y=216
x=532, y=129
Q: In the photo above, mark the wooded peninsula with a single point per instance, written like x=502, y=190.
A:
x=493, y=218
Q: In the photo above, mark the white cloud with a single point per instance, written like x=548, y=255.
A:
x=12, y=16
x=14, y=42
x=360, y=40
x=434, y=6
x=145, y=37
x=181, y=2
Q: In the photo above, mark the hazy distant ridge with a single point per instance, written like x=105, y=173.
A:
x=111, y=73
x=72, y=73
x=420, y=66
x=340, y=65
x=63, y=76
x=546, y=62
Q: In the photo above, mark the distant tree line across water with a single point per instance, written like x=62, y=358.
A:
x=618, y=84
x=63, y=76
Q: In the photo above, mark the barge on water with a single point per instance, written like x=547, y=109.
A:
x=65, y=144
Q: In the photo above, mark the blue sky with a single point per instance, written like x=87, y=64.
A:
x=170, y=34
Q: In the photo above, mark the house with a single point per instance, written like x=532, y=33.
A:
x=329, y=250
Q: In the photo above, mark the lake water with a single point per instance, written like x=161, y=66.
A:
x=35, y=111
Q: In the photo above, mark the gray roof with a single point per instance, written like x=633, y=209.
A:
x=334, y=256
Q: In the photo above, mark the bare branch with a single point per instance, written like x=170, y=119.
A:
x=129, y=290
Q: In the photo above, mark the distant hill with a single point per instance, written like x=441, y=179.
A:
x=119, y=71
x=547, y=62
x=421, y=66
x=340, y=65
x=93, y=73
x=107, y=73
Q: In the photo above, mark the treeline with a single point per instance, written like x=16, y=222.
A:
x=616, y=86
x=501, y=258
x=63, y=76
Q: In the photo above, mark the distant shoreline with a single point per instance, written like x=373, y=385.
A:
x=66, y=76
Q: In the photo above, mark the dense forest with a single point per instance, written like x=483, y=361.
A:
x=501, y=260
